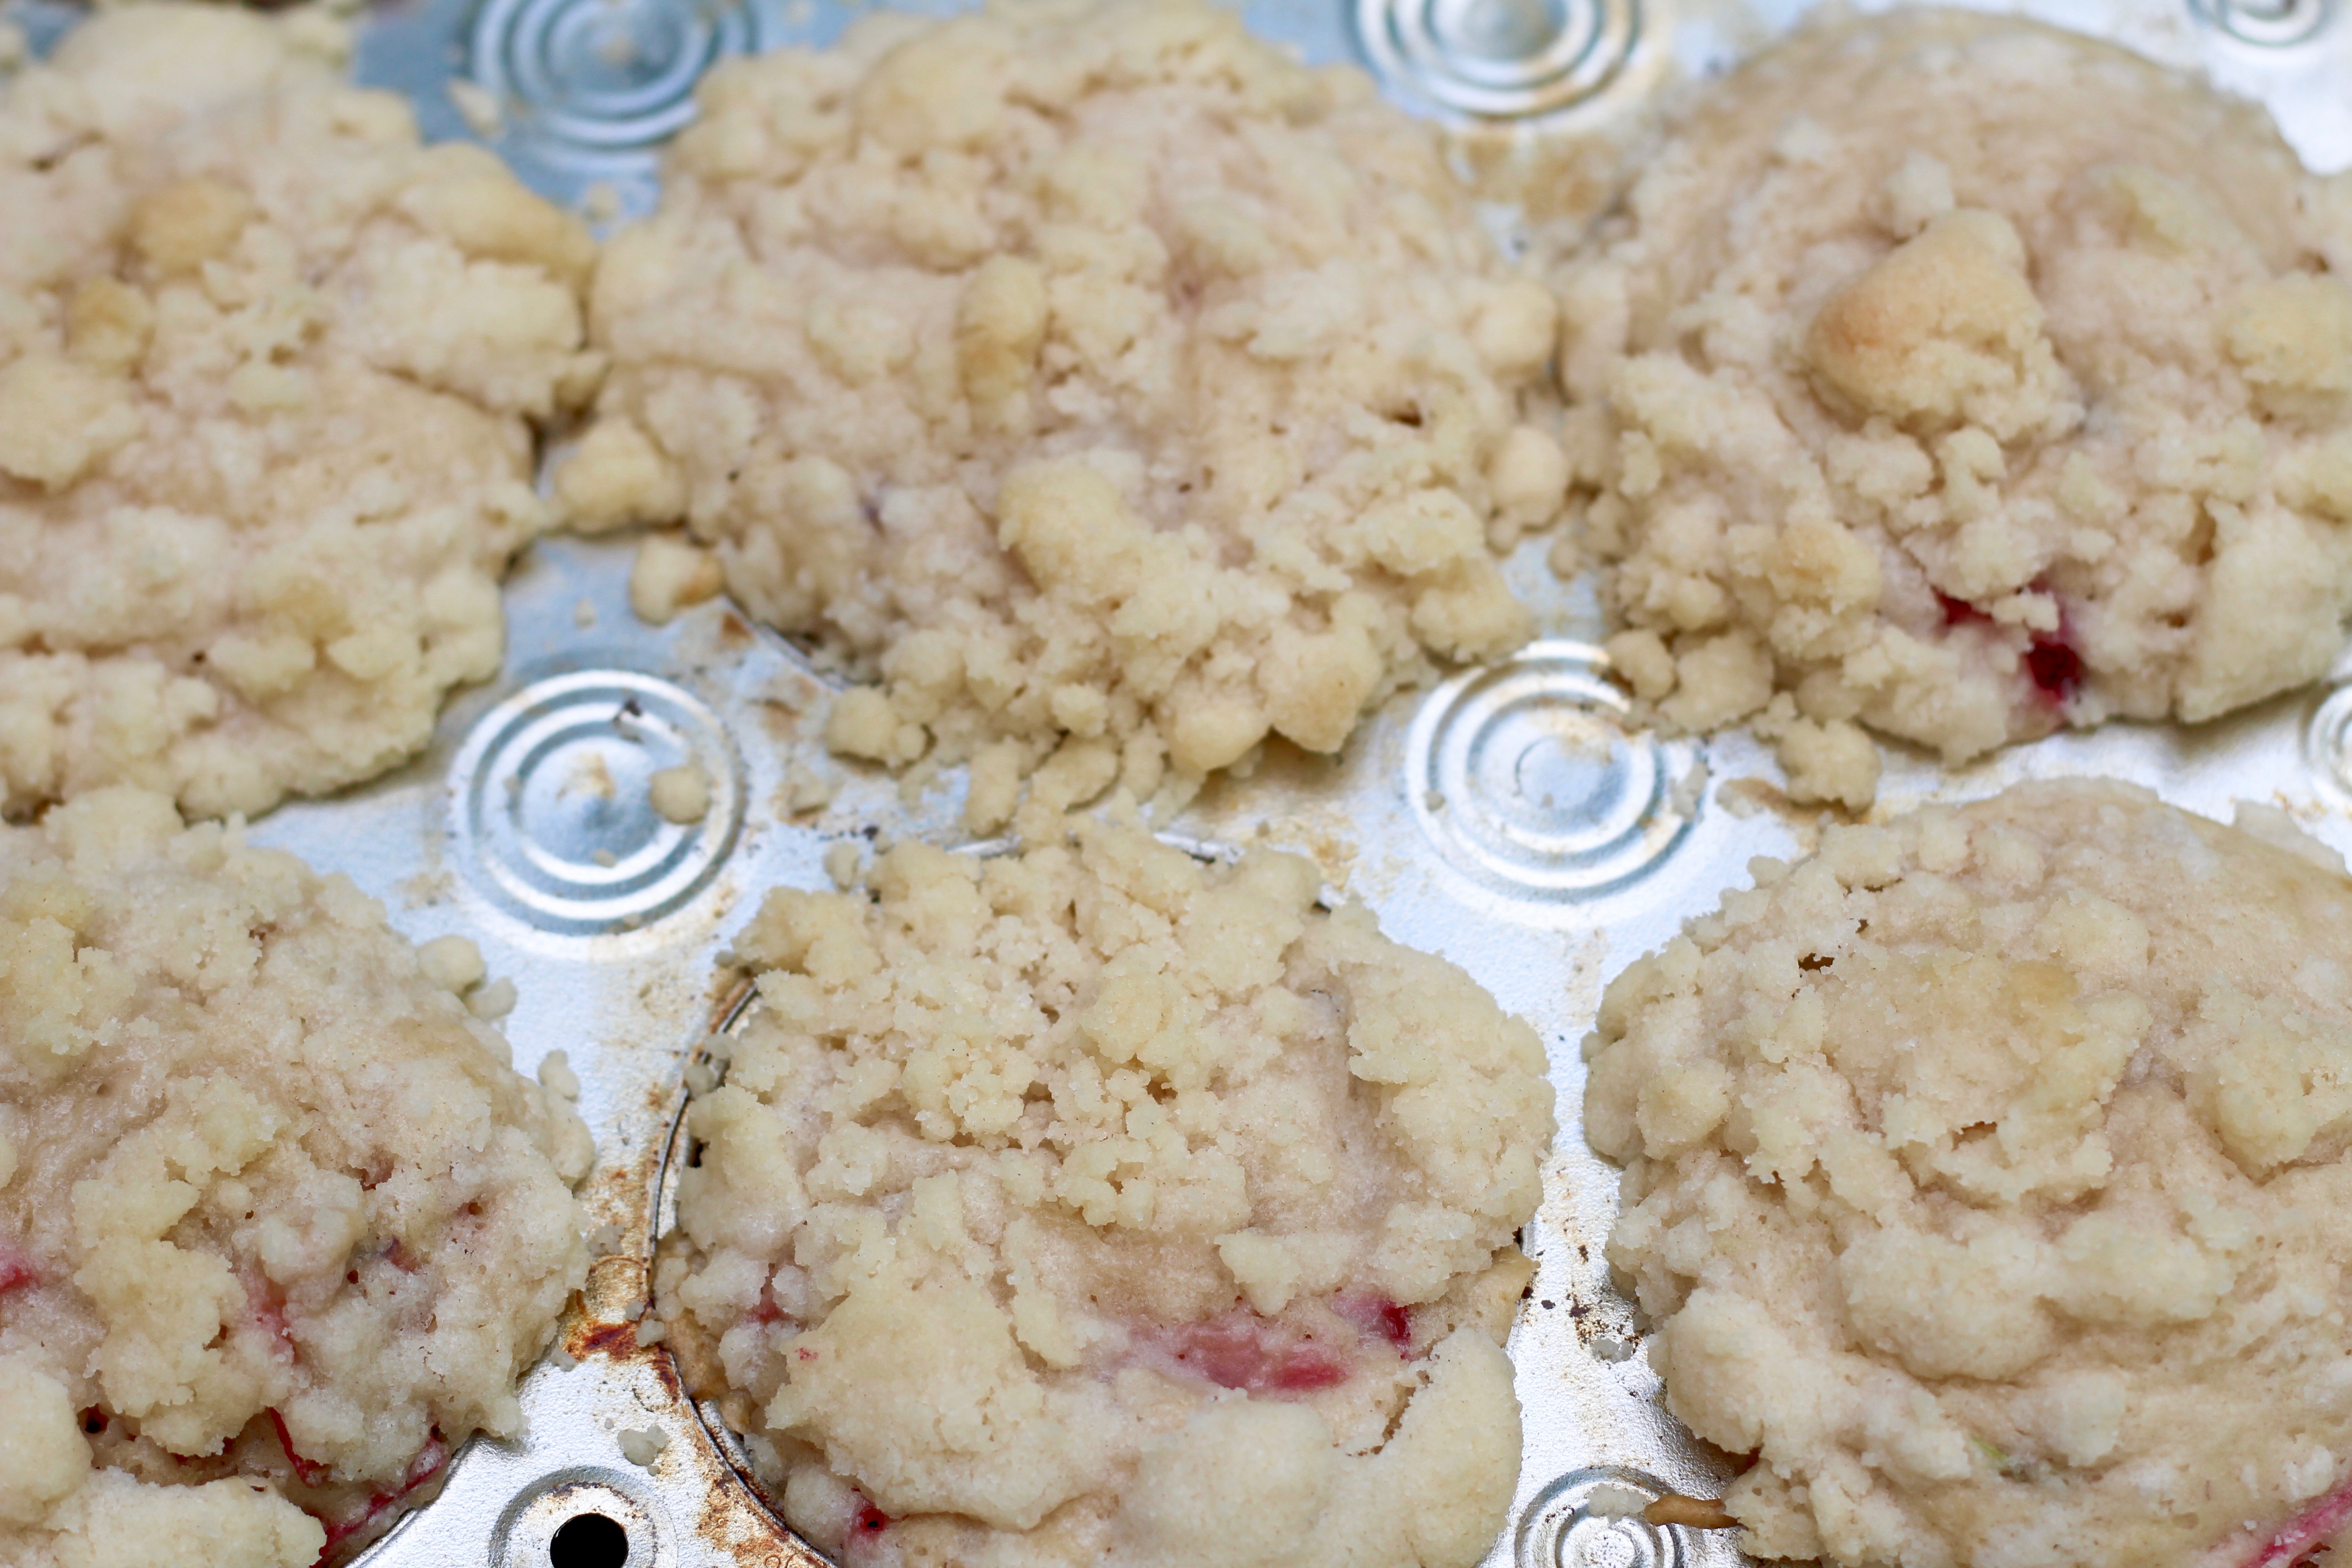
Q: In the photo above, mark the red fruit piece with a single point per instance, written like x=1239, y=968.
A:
x=269, y=1310
x=1301, y=1373
x=1958, y=612
x=2051, y=661
x=2055, y=667
x=1378, y=1315
x=16, y=1269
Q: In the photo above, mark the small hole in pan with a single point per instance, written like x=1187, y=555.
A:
x=588, y=1540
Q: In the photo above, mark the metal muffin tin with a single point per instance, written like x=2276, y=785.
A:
x=1508, y=818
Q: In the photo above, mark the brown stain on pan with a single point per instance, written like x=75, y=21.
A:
x=603, y=1339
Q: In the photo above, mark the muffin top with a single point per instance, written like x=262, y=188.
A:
x=1092, y=1204
x=268, y=372
x=1963, y=379
x=279, y=1227
x=1982, y=1175
x=1091, y=382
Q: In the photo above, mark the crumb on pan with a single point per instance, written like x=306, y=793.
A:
x=671, y=574
x=680, y=794
x=642, y=1445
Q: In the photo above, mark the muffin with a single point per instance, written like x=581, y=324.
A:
x=1091, y=1204
x=1100, y=389
x=1981, y=1176
x=1962, y=379
x=269, y=371
x=279, y=1227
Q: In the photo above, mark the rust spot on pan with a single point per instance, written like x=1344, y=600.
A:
x=602, y=1339
x=666, y=1370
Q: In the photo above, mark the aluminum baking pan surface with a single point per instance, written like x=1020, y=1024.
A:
x=1508, y=818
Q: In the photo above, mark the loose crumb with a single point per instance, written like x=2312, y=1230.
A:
x=641, y=1445
x=452, y=962
x=591, y=774
x=681, y=794
x=1694, y=1513
x=555, y=1073
x=807, y=790
x=671, y=573
x=1610, y=1501
x=493, y=1001
x=484, y=115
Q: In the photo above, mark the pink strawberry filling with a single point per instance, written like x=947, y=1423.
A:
x=2304, y=1533
x=862, y=1536
x=1377, y=1315
x=1263, y=1355
x=1958, y=612
x=426, y=1465
x=2051, y=661
x=309, y=1472
x=15, y=1270
x=2055, y=667
x=1241, y=1350
x=269, y=1312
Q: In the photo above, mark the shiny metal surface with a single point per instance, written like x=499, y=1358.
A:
x=1505, y=819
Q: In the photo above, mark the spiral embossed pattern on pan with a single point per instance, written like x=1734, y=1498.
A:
x=599, y=74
